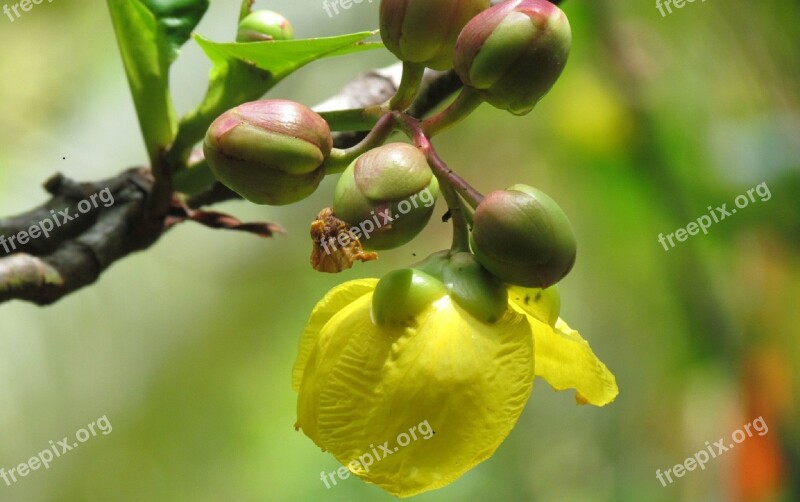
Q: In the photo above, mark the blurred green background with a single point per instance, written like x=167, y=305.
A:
x=187, y=348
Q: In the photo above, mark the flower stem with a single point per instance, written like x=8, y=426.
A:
x=469, y=211
x=357, y=119
x=247, y=6
x=460, y=227
x=339, y=159
x=413, y=128
x=409, y=86
x=451, y=184
x=465, y=103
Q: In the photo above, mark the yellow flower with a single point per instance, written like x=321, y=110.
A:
x=366, y=388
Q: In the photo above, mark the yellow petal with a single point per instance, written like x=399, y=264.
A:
x=566, y=361
x=336, y=299
x=542, y=304
x=368, y=389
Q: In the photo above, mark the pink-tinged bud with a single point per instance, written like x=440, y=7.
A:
x=425, y=31
x=269, y=151
x=514, y=52
x=391, y=186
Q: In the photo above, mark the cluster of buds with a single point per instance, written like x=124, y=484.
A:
x=275, y=151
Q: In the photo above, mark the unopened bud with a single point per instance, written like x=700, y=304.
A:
x=263, y=25
x=425, y=31
x=389, y=193
x=514, y=52
x=270, y=151
x=523, y=237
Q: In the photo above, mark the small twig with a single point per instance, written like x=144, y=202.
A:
x=213, y=219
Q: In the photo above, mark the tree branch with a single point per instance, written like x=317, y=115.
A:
x=77, y=252
x=45, y=269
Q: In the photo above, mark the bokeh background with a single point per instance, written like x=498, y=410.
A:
x=187, y=348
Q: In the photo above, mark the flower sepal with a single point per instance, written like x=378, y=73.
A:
x=474, y=288
x=403, y=294
x=468, y=283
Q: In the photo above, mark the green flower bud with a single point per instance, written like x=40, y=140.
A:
x=514, y=52
x=269, y=152
x=389, y=193
x=402, y=294
x=263, y=25
x=523, y=237
x=425, y=31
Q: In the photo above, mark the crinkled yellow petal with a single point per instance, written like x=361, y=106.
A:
x=336, y=299
x=368, y=391
x=566, y=361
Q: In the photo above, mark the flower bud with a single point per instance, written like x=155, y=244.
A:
x=402, y=294
x=523, y=237
x=514, y=52
x=270, y=151
x=388, y=193
x=425, y=31
x=263, y=25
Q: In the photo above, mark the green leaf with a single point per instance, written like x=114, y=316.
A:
x=246, y=71
x=149, y=34
x=283, y=57
x=177, y=19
